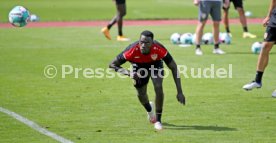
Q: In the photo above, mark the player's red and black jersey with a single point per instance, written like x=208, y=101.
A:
x=157, y=53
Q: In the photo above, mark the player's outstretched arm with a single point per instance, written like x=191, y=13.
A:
x=116, y=65
x=173, y=67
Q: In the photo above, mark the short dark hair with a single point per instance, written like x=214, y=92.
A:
x=148, y=34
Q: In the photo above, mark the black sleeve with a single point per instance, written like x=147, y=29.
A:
x=168, y=58
x=121, y=59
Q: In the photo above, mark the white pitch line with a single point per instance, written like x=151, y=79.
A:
x=35, y=126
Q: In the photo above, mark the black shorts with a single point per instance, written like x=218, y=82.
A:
x=237, y=3
x=270, y=34
x=120, y=1
x=146, y=71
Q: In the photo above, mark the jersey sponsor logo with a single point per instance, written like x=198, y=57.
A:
x=154, y=56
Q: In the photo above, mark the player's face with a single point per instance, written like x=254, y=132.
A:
x=145, y=44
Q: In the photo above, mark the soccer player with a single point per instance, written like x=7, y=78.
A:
x=270, y=38
x=238, y=4
x=206, y=7
x=121, y=12
x=146, y=57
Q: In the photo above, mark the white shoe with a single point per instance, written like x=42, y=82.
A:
x=198, y=52
x=248, y=35
x=158, y=126
x=151, y=114
x=252, y=85
x=218, y=51
x=274, y=93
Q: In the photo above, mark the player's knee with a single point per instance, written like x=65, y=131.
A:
x=240, y=10
x=266, y=48
x=122, y=14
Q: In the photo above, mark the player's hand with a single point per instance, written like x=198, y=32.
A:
x=196, y=2
x=226, y=4
x=134, y=75
x=136, y=78
x=181, y=98
x=265, y=21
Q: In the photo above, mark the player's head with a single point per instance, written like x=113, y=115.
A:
x=146, y=41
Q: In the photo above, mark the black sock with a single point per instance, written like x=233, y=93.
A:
x=227, y=29
x=109, y=26
x=259, y=75
x=216, y=46
x=147, y=107
x=245, y=29
x=158, y=115
x=197, y=46
x=120, y=33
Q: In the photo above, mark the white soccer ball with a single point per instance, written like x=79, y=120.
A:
x=248, y=13
x=19, y=16
x=208, y=38
x=225, y=38
x=175, y=38
x=186, y=38
x=34, y=18
x=256, y=47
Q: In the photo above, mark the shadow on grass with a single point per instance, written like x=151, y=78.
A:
x=196, y=127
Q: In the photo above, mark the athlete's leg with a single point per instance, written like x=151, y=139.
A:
x=143, y=98
x=141, y=86
x=157, y=81
x=264, y=56
x=121, y=12
x=216, y=31
x=263, y=59
x=199, y=31
x=243, y=21
x=242, y=18
x=204, y=9
x=142, y=94
x=105, y=30
x=216, y=17
x=226, y=19
x=112, y=22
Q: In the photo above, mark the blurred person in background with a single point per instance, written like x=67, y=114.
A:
x=238, y=4
x=118, y=18
x=206, y=7
x=269, y=40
